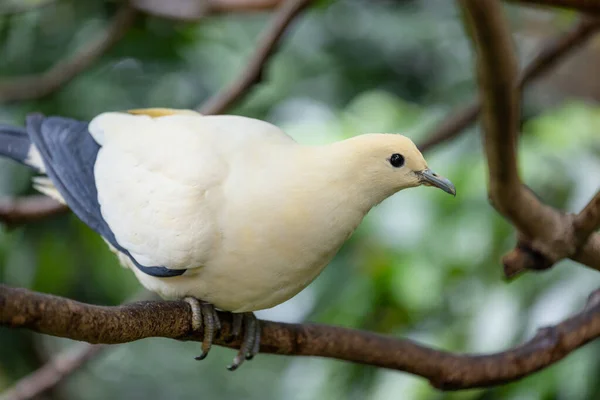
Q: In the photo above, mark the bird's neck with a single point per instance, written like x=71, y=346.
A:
x=340, y=169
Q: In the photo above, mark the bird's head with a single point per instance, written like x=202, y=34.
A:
x=391, y=162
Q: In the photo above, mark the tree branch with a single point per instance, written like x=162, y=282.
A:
x=253, y=71
x=588, y=220
x=21, y=308
x=37, y=86
x=546, y=235
x=585, y=6
x=28, y=209
x=48, y=376
x=549, y=54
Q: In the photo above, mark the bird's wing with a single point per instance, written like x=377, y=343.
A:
x=159, y=185
x=69, y=152
x=166, y=176
x=151, y=182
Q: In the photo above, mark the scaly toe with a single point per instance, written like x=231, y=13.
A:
x=236, y=330
x=196, y=312
x=209, y=329
x=204, y=315
x=251, y=342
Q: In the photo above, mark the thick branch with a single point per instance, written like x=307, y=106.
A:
x=585, y=6
x=546, y=235
x=28, y=209
x=36, y=86
x=497, y=75
x=549, y=54
x=21, y=308
x=588, y=220
x=48, y=376
x=252, y=72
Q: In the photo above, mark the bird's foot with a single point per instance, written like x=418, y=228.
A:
x=251, y=340
x=205, y=315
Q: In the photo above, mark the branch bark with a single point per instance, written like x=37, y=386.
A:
x=253, y=71
x=550, y=53
x=546, y=235
x=29, y=209
x=588, y=220
x=21, y=308
x=37, y=86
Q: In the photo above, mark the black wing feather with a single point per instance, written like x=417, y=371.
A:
x=14, y=143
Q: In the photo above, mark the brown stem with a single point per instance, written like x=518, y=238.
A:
x=588, y=220
x=36, y=86
x=546, y=235
x=21, y=308
x=252, y=72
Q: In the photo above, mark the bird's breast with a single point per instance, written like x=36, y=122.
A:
x=271, y=252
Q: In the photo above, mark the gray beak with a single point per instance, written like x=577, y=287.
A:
x=430, y=178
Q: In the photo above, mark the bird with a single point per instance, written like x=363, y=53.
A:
x=225, y=212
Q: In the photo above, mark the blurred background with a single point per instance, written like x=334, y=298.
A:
x=423, y=265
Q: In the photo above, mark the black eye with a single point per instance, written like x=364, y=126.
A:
x=397, y=160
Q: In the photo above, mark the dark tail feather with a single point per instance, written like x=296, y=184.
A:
x=14, y=143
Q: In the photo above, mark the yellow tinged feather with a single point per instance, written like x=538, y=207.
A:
x=161, y=112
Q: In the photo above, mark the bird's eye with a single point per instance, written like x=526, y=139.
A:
x=397, y=160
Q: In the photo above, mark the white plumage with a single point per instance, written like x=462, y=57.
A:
x=251, y=216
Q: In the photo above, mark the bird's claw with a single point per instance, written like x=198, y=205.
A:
x=251, y=340
x=205, y=315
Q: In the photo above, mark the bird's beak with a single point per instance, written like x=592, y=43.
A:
x=430, y=178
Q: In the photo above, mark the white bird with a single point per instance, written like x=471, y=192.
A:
x=224, y=211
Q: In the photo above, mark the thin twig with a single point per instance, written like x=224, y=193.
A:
x=252, y=72
x=28, y=209
x=550, y=53
x=37, y=86
x=21, y=308
x=452, y=126
x=53, y=372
